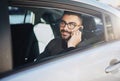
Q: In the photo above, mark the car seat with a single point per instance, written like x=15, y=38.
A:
x=89, y=35
x=24, y=44
x=44, y=34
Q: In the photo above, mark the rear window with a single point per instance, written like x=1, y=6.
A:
x=19, y=15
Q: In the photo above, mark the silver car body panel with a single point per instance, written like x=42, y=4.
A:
x=88, y=65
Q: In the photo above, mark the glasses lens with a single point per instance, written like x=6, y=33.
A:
x=72, y=25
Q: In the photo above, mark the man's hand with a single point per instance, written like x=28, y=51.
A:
x=75, y=38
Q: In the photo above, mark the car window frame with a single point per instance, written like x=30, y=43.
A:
x=5, y=42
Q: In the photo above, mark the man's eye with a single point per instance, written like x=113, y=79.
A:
x=73, y=24
x=62, y=23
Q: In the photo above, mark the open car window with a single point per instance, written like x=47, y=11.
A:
x=33, y=28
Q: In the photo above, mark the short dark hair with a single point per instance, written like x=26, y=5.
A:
x=73, y=13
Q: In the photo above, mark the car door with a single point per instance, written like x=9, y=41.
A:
x=98, y=60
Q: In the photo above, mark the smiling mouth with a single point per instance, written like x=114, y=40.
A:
x=65, y=32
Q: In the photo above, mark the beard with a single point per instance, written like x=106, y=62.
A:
x=65, y=37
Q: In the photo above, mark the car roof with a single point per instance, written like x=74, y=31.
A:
x=100, y=5
x=93, y=3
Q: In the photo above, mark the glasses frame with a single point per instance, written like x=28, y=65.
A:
x=68, y=24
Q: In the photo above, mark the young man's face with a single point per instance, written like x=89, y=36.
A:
x=69, y=24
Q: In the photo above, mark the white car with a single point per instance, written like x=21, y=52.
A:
x=31, y=24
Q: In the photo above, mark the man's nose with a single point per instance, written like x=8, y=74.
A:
x=66, y=27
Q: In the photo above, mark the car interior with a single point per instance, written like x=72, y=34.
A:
x=24, y=44
x=26, y=37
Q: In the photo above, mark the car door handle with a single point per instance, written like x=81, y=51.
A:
x=113, y=68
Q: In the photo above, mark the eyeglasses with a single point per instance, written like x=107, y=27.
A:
x=70, y=25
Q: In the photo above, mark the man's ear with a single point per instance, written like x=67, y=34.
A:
x=82, y=26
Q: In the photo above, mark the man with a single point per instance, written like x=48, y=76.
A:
x=70, y=30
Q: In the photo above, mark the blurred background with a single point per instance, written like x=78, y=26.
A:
x=113, y=3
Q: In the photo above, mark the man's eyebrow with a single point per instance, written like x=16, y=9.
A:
x=68, y=22
x=72, y=22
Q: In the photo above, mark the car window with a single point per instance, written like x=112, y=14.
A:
x=30, y=33
x=19, y=15
x=33, y=29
